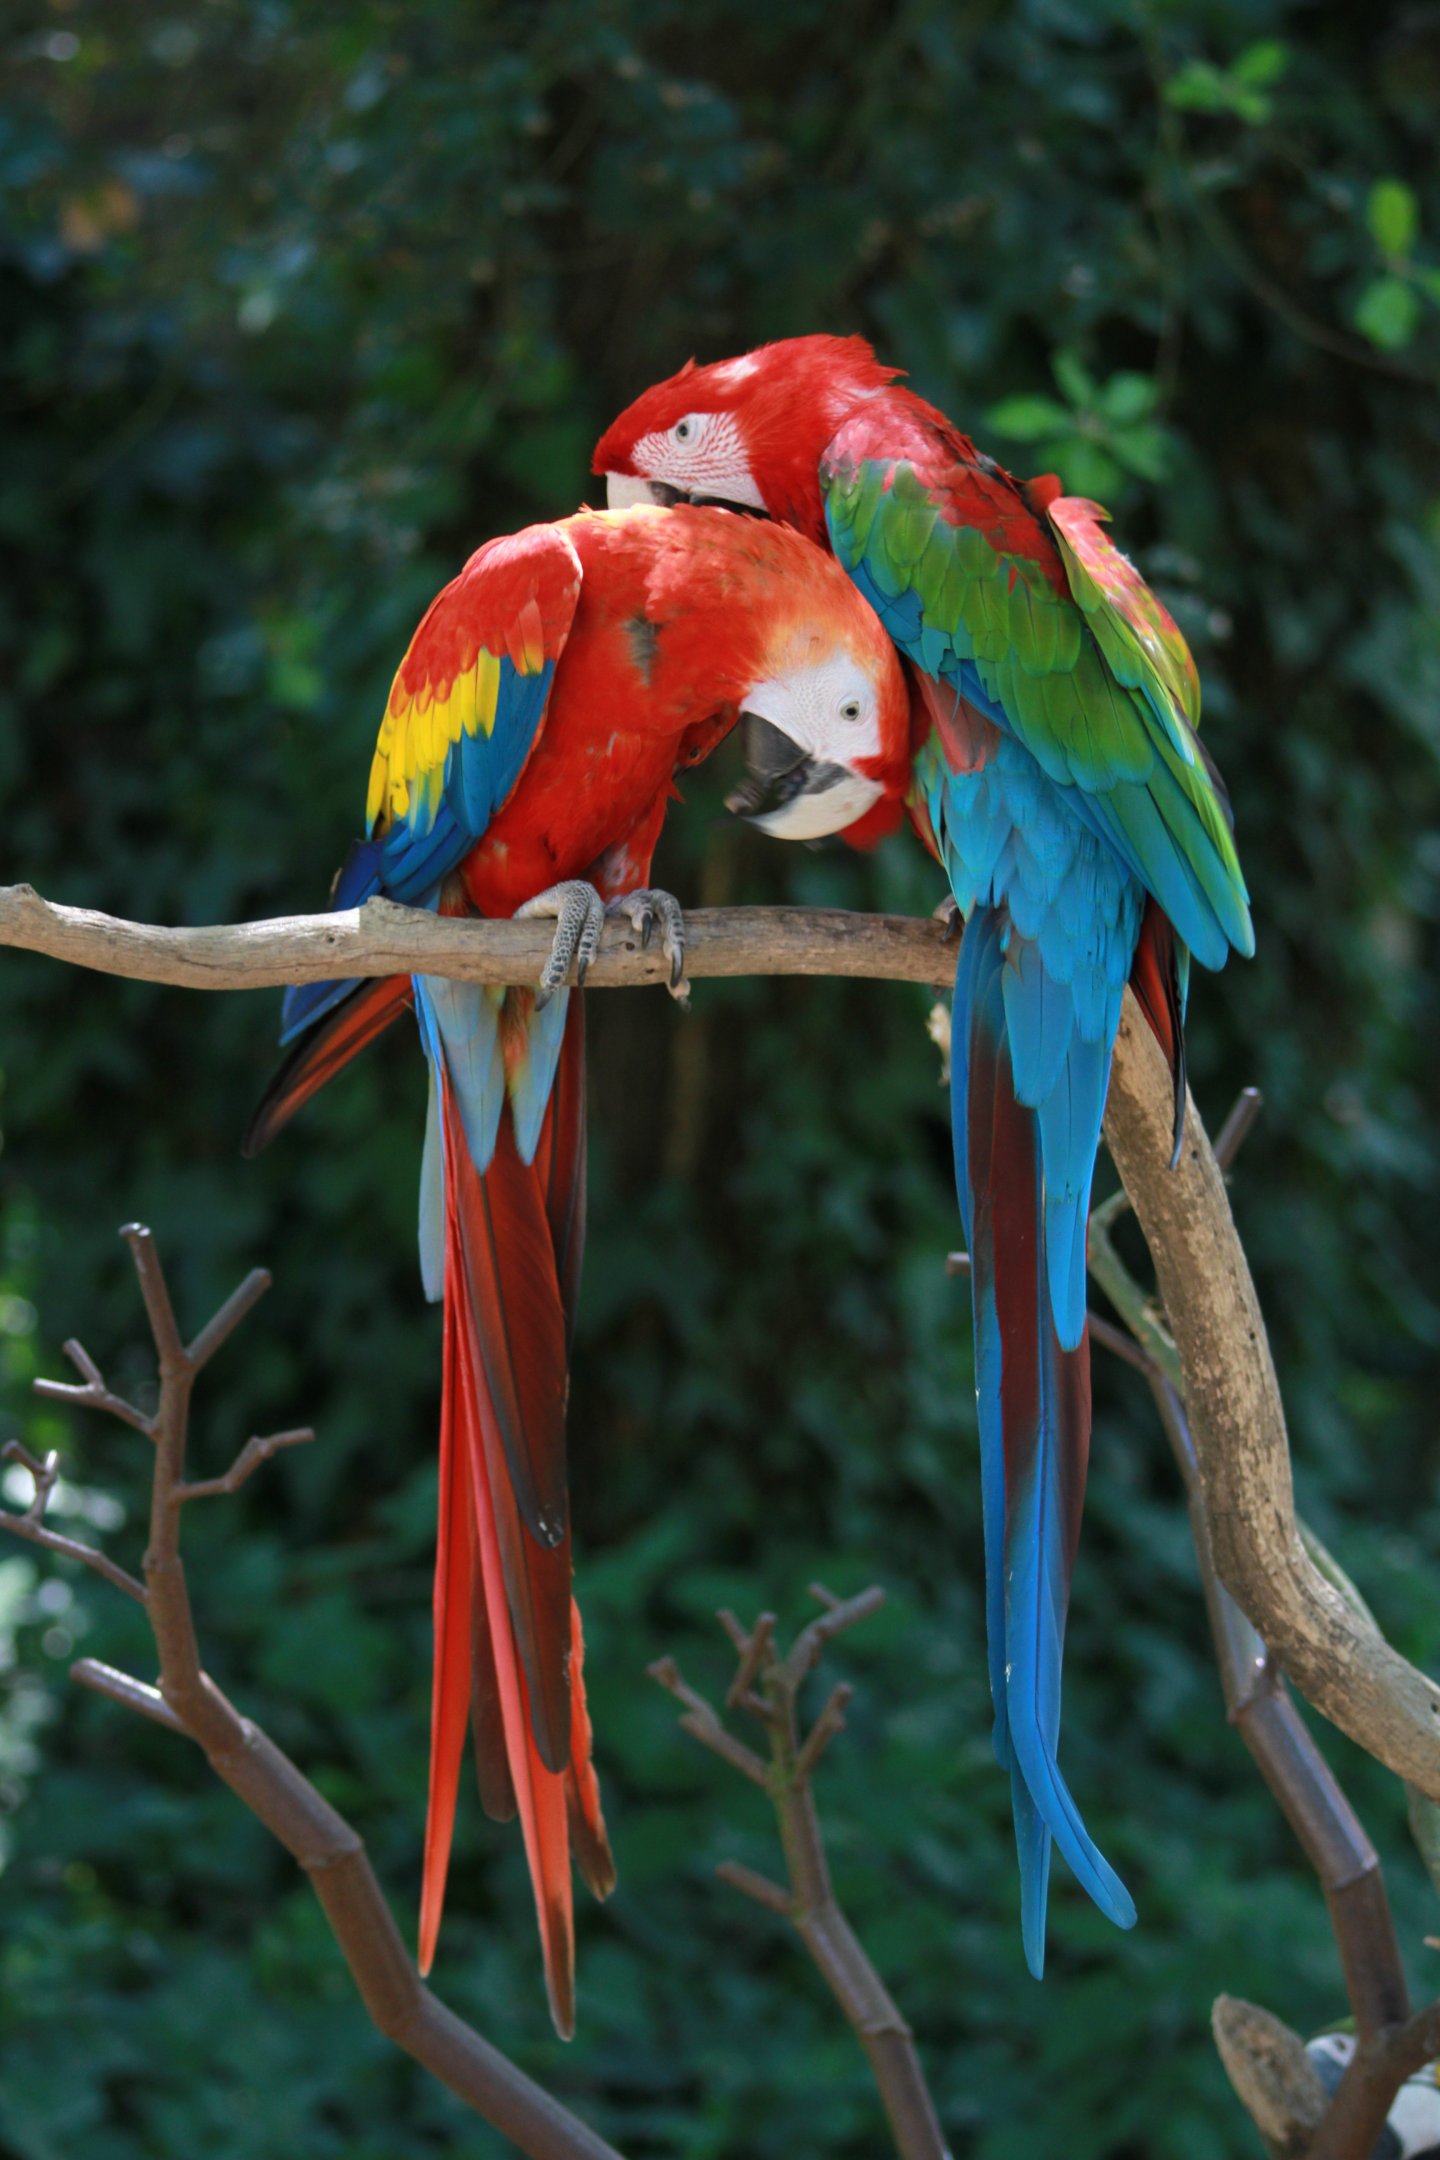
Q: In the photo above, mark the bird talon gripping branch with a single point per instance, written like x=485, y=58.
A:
x=643, y=909
x=579, y=915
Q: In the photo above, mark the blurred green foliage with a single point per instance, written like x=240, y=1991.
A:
x=300, y=304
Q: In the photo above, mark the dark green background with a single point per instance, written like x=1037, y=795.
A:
x=300, y=304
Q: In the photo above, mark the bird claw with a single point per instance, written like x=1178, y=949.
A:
x=579, y=914
x=643, y=910
x=947, y=911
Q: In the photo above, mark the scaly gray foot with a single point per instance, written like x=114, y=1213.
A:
x=579, y=914
x=645, y=908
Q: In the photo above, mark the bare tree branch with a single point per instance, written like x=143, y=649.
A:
x=187, y=1701
x=702, y=1722
x=768, y=1683
x=1266, y=2062
x=1339, y=1660
x=32, y=1527
x=382, y=939
x=124, y=1689
x=247, y=1462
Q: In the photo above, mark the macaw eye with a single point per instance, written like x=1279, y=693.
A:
x=681, y=431
x=850, y=710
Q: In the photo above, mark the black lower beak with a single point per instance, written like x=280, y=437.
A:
x=666, y=496
x=777, y=769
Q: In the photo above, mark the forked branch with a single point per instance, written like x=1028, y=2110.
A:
x=187, y=1701
x=767, y=1685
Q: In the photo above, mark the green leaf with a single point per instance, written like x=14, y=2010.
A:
x=1144, y=449
x=1251, y=106
x=1392, y=216
x=1428, y=281
x=1128, y=396
x=1027, y=419
x=1199, y=87
x=1388, y=312
x=1261, y=64
x=1078, y=386
x=1086, y=469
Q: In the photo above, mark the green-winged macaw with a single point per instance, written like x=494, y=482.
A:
x=524, y=763
x=1058, y=778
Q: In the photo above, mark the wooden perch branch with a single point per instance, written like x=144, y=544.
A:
x=1267, y=2064
x=767, y=1683
x=1334, y=1654
x=382, y=939
x=188, y=1702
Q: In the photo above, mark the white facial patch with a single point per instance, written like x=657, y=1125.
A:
x=703, y=453
x=830, y=709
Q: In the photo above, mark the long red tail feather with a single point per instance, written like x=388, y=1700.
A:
x=455, y=1594
x=587, y=1824
x=508, y=1644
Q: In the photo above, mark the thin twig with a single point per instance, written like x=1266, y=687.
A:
x=35, y=1531
x=123, y=1688
x=247, y=1462
x=92, y=1394
x=222, y=1326
x=753, y=1649
x=805, y=1652
x=702, y=1723
x=750, y=1883
x=1238, y=1126
x=830, y=1721
x=1120, y=1344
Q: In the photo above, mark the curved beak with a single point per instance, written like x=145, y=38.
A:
x=776, y=769
x=791, y=794
x=623, y=491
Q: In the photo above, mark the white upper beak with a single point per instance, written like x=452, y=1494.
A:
x=623, y=491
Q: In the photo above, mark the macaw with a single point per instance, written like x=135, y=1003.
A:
x=524, y=764
x=1056, y=774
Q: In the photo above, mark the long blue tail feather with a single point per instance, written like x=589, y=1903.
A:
x=1032, y=1391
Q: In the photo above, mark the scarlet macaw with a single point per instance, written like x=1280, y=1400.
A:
x=528, y=748
x=1058, y=779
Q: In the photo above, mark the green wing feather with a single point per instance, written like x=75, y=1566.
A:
x=1067, y=645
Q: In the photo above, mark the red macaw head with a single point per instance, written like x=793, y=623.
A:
x=824, y=712
x=746, y=434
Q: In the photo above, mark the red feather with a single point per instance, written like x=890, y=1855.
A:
x=369, y=1009
x=508, y=1645
x=1156, y=983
